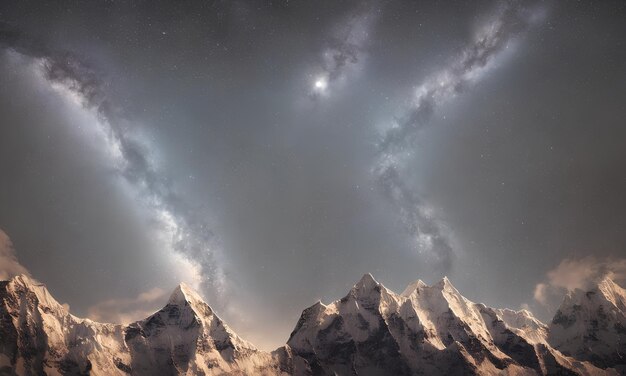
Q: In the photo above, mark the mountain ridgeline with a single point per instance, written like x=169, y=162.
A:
x=425, y=330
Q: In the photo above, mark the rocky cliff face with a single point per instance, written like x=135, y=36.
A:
x=426, y=330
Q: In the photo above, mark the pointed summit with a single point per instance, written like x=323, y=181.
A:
x=184, y=293
x=185, y=321
x=415, y=285
x=445, y=284
x=367, y=282
x=186, y=299
x=612, y=292
x=23, y=282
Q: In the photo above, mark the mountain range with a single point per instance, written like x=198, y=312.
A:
x=425, y=330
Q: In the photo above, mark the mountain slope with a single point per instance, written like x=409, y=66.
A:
x=186, y=337
x=38, y=335
x=591, y=325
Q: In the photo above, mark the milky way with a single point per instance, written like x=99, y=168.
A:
x=428, y=233
x=187, y=234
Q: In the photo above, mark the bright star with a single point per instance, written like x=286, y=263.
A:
x=321, y=84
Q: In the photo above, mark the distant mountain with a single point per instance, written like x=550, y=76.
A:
x=426, y=330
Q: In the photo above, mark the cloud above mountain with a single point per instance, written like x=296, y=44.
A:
x=582, y=273
x=127, y=310
x=9, y=265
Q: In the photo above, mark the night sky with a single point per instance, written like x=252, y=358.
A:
x=271, y=153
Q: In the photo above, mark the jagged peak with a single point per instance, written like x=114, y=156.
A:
x=366, y=285
x=367, y=281
x=415, y=285
x=26, y=280
x=39, y=289
x=604, y=292
x=519, y=318
x=521, y=312
x=454, y=300
x=611, y=292
x=607, y=284
x=604, y=287
x=29, y=283
x=445, y=284
x=183, y=293
x=315, y=308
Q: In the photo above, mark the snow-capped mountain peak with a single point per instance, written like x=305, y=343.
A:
x=424, y=330
x=444, y=282
x=590, y=324
x=415, y=285
x=24, y=282
x=184, y=293
x=366, y=283
x=613, y=293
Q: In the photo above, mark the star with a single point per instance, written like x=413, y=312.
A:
x=320, y=84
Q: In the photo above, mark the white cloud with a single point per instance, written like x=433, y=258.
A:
x=583, y=273
x=541, y=293
x=127, y=310
x=9, y=266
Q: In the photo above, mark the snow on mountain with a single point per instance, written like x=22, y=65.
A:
x=426, y=330
x=524, y=324
x=38, y=336
x=430, y=330
x=186, y=337
x=591, y=325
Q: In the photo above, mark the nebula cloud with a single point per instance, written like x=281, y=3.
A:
x=509, y=21
x=187, y=234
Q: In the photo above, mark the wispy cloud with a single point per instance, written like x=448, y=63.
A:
x=128, y=310
x=583, y=273
x=9, y=265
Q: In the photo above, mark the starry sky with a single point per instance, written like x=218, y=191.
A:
x=270, y=153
